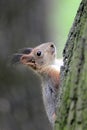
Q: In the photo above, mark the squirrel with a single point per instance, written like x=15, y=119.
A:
x=43, y=61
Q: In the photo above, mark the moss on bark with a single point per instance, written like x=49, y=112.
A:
x=72, y=113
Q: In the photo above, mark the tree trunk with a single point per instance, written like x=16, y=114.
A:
x=72, y=113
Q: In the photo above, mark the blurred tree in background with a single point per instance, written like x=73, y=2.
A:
x=28, y=23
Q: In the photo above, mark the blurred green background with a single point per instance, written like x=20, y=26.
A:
x=61, y=14
x=27, y=23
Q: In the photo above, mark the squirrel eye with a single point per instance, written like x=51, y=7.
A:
x=39, y=53
x=52, y=46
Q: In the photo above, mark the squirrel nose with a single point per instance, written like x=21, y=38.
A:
x=27, y=59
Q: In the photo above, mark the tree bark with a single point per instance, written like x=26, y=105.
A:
x=72, y=113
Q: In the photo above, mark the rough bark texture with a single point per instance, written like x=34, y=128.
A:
x=72, y=114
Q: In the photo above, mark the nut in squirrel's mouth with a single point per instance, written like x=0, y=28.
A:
x=30, y=60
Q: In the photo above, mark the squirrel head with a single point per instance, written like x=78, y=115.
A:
x=39, y=56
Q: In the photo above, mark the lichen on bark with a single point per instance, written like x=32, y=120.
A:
x=72, y=113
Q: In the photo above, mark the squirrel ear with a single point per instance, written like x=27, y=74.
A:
x=26, y=50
